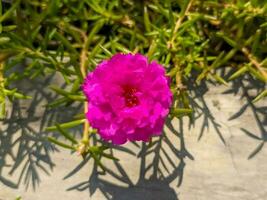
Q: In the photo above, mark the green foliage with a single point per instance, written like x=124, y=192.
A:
x=193, y=39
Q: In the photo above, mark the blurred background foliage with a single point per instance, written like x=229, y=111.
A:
x=196, y=40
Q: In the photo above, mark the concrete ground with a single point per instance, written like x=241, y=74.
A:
x=219, y=155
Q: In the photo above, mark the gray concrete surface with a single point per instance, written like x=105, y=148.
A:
x=213, y=157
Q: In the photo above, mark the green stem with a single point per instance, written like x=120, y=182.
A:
x=9, y=12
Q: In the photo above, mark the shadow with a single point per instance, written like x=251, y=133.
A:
x=161, y=162
x=158, y=168
x=249, y=88
x=24, y=150
x=201, y=109
x=25, y=153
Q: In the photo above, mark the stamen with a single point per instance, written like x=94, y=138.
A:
x=131, y=99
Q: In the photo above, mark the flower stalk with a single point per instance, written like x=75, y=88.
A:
x=84, y=144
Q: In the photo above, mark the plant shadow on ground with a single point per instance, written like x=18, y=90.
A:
x=156, y=185
x=161, y=163
x=248, y=88
x=202, y=110
x=24, y=149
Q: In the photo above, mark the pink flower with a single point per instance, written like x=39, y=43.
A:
x=129, y=98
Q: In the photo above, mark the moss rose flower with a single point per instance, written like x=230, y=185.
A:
x=129, y=98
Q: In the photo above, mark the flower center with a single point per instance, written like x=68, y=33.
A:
x=131, y=99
